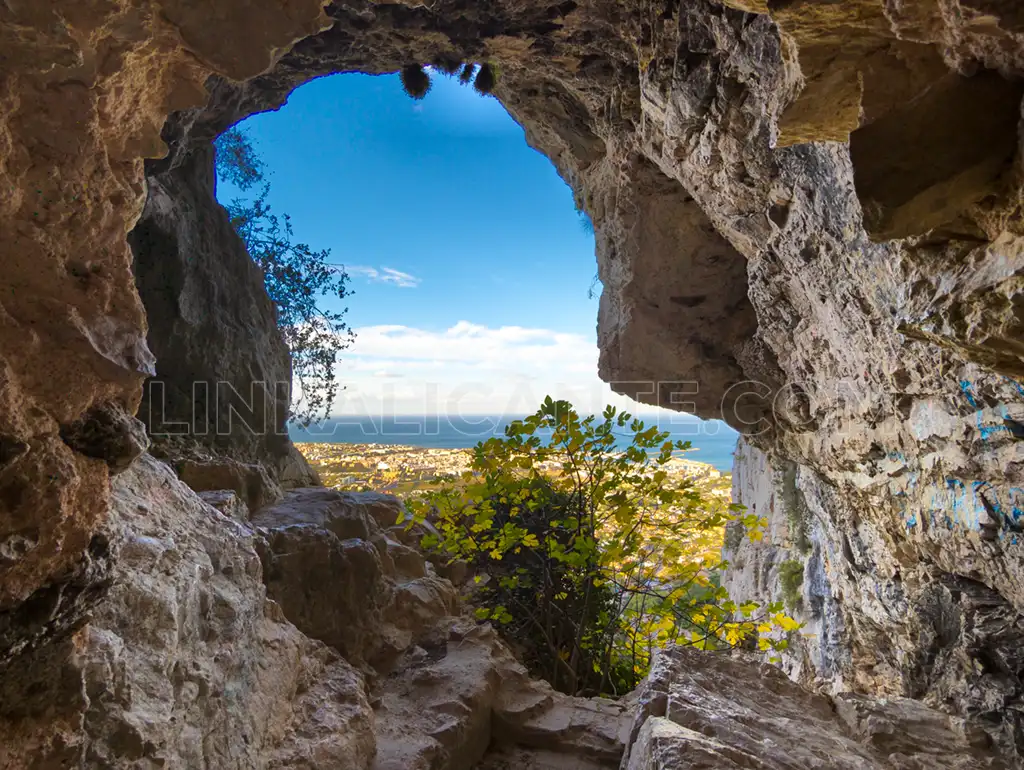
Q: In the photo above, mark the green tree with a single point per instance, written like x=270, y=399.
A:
x=589, y=557
x=297, y=278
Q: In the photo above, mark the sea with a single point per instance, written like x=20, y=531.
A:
x=713, y=441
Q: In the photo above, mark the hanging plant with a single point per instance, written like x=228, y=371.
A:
x=415, y=80
x=485, y=79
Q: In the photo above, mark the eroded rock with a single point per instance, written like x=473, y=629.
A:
x=250, y=481
x=185, y=662
x=341, y=579
x=703, y=711
x=84, y=92
x=108, y=433
x=877, y=618
x=464, y=702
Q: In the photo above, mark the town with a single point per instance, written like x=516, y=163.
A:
x=402, y=470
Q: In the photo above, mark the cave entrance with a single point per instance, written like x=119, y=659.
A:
x=469, y=266
x=452, y=251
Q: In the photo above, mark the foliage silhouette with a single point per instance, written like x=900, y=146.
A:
x=448, y=65
x=296, y=278
x=415, y=81
x=486, y=79
x=417, y=84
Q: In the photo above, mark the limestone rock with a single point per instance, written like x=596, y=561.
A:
x=465, y=702
x=340, y=513
x=703, y=711
x=875, y=376
x=339, y=577
x=876, y=619
x=185, y=662
x=84, y=92
x=223, y=375
x=250, y=481
x=293, y=471
x=227, y=502
x=108, y=433
x=332, y=589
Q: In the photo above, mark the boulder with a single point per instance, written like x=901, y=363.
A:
x=699, y=710
x=250, y=481
x=185, y=662
x=341, y=579
x=227, y=502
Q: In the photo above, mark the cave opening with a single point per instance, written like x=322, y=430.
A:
x=465, y=261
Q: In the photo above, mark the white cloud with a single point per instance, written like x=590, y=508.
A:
x=471, y=369
x=384, y=275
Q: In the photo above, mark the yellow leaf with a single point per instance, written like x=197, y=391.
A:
x=787, y=623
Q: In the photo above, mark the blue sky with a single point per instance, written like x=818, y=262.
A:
x=445, y=190
x=470, y=266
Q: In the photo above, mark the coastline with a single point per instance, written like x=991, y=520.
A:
x=713, y=441
x=401, y=469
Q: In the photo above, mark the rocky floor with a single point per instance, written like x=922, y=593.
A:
x=313, y=635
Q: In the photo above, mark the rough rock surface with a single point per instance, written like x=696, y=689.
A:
x=250, y=481
x=807, y=224
x=876, y=619
x=223, y=374
x=84, y=91
x=464, y=702
x=185, y=662
x=343, y=579
x=702, y=710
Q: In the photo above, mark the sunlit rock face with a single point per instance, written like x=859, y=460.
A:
x=85, y=91
x=807, y=220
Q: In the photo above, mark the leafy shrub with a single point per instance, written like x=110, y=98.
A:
x=237, y=161
x=450, y=66
x=589, y=558
x=791, y=579
x=295, y=276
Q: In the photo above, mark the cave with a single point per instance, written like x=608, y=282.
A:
x=810, y=210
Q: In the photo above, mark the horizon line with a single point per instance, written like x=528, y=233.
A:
x=512, y=414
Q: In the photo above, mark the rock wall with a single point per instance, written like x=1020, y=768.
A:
x=187, y=662
x=85, y=92
x=879, y=618
x=191, y=660
x=223, y=374
x=712, y=711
